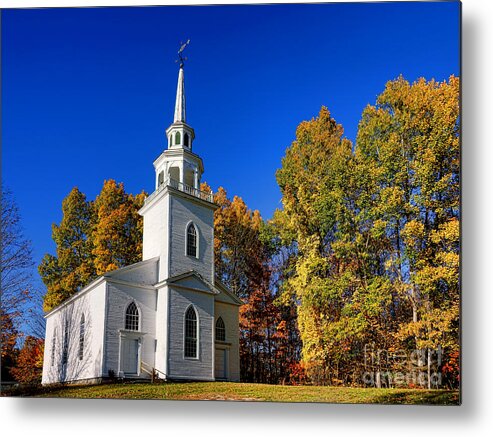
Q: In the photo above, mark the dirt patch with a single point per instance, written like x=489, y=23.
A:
x=216, y=397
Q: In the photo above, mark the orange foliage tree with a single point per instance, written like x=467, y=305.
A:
x=29, y=365
x=243, y=262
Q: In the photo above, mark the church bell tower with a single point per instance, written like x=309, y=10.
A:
x=178, y=216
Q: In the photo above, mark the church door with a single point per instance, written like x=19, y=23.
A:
x=130, y=356
x=221, y=364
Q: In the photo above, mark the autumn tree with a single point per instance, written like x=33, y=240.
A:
x=29, y=363
x=318, y=216
x=73, y=266
x=238, y=252
x=116, y=234
x=242, y=261
x=374, y=232
x=93, y=237
x=8, y=338
x=409, y=141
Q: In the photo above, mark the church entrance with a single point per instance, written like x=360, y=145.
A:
x=130, y=356
x=221, y=364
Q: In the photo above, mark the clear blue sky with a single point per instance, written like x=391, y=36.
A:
x=87, y=93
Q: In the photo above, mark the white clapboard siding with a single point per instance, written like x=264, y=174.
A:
x=182, y=212
x=91, y=303
x=230, y=316
x=201, y=368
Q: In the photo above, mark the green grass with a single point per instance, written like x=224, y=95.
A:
x=254, y=392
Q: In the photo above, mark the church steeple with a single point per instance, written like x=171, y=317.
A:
x=180, y=134
x=178, y=203
x=178, y=166
x=180, y=110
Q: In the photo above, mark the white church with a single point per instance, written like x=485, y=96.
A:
x=168, y=315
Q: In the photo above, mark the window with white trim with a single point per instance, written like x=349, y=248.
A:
x=220, y=330
x=192, y=240
x=132, y=317
x=190, y=333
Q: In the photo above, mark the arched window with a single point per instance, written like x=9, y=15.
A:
x=192, y=240
x=191, y=333
x=132, y=318
x=171, y=140
x=65, y=343
x=177, y=138
x=160, y=178
x=186, y=140
x=53, y=348
x=220, y=330
x=82, y=332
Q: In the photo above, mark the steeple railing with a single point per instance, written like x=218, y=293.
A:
x=184, y=188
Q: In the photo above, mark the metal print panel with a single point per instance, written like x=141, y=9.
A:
x=237, y=202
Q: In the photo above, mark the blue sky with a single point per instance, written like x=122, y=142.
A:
x=87, y=93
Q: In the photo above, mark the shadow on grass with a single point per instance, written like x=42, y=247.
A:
x=418, y=397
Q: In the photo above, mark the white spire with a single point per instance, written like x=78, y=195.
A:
x=180, y=115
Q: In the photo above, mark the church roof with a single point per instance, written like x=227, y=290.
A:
x=216, y=289
x=129, y=274
x=188, y=274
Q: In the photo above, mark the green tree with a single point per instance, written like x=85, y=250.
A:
x=316, y=181
x=73, y=266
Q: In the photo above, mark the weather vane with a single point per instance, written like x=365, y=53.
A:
x=180, y=53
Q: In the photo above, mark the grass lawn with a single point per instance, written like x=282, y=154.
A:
x=254, y=392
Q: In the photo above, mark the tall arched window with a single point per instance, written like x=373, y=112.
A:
x=132, y=317
x=220, y=330
x=160, y=178
x=191, y=333
x=65, y=343
x=53, y=348
x=177, y=138
x=192, y=240
x=82, y=333
x=186, y=140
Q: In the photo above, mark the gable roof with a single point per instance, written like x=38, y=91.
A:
x=120, y=274
x=217, y=289
x=191, y=280
x=142, y=272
